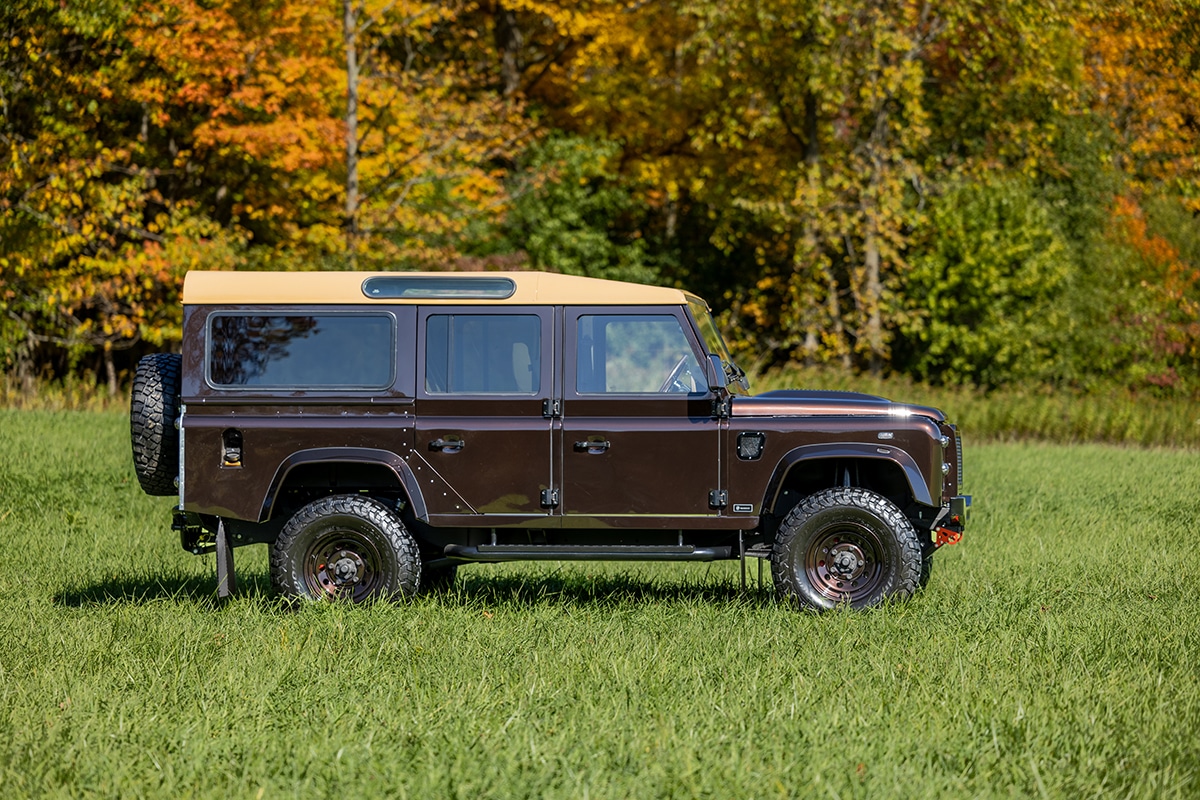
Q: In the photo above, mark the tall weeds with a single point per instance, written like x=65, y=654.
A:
x=1113, y=416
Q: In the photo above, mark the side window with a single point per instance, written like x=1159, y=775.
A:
x=310, y=351
x=483, y=354
x=634, y=354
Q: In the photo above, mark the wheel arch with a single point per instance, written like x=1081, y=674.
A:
x=887, y=466
x=380, y=462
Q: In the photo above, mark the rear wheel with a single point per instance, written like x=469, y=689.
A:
x=845, y=546
x=345, y=547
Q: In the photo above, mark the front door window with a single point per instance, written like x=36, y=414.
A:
x=635, y=354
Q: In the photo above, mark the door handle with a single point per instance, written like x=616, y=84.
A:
x=593, y=446
x=448, y=445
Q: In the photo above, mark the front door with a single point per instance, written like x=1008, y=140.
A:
x=639, y=437
x=483, y=381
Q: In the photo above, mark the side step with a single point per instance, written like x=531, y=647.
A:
x=572, y=552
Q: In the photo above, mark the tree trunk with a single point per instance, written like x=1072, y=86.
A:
x=812, y=145
x=834, y=310
x=508, y=44
x=873, y=299
x=350, y=36
x=110, y=370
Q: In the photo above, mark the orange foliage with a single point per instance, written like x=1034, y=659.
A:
x=1139, y=61
x=1173, y=286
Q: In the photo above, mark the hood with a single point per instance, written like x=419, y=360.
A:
x=814, y=403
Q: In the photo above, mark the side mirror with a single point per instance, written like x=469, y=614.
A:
x=717, y=381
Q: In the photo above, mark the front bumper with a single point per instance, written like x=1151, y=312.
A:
x=949, y=529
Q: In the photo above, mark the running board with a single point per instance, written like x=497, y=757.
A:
x=571, y=552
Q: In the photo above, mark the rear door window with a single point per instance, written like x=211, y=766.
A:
x=483, y=354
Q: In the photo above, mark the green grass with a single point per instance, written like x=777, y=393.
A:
x=1053, y=654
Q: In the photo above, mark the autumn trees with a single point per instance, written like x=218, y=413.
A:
x=962, y=190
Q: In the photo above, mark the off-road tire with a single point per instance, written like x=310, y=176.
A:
x=345, y=547
x=153, y=410
x=845, y=546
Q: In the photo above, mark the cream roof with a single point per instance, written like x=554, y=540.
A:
x=345, y=288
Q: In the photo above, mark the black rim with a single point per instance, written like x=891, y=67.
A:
x=343, y=564
x=845, y=563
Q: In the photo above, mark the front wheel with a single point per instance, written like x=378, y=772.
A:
x=845, y=546
x=345, y=547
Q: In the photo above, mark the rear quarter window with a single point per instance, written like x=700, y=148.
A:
x=302, y=351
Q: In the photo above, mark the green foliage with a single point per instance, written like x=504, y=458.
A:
x=1049, y=656
x=984, y=294
x=572, y=214
x=786, y=159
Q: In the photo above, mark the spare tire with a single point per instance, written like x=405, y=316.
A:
x=153, y=410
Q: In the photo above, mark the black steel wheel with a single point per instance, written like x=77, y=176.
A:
x=845, y=546
x=153, y=409
x=345, y=547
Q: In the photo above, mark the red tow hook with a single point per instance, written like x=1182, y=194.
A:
x=947, y=536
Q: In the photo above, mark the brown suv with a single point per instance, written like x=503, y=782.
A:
x=379, y=429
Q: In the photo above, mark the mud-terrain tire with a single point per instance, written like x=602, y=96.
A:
x=845, y=546
x=153, y=409
x=345, y=547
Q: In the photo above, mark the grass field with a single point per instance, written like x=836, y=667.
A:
x=1054, y=654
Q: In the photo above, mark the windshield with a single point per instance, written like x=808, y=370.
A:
x=713, y=340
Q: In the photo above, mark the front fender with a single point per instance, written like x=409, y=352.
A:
x=356, y=455
x=848, y=450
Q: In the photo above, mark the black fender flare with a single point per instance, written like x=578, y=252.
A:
x=357, y=455
x=851, y=450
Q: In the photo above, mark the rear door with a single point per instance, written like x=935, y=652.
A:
x=484, y=378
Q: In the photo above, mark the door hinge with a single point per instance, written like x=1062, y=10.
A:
x=551, y=409
x=549, y=498
x=720, y=408
x=718, y=498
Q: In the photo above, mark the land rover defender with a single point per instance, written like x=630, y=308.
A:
x=378, y=430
